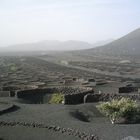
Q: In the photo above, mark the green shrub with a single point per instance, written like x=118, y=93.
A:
x=12, y=67
x=125, y=109
x=56, y=98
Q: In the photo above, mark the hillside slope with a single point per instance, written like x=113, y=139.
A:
x=127, y=45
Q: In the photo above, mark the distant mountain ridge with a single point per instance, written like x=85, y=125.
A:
x=50, y=45
x=127, y=45
x=54, y=45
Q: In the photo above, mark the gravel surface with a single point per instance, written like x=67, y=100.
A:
x=62, y=116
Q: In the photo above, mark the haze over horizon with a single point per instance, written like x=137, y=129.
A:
x=91, y=21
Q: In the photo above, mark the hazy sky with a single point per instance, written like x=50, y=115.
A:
x=86, y=20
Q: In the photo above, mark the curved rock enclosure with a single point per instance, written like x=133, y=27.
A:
x=72, y=95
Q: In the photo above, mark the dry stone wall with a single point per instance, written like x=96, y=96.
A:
x=72, y=95
x=107, y=97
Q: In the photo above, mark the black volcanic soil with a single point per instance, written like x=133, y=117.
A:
x=84, y=118
x=62, y=116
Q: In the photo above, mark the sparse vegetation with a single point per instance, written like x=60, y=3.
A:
x=12, y=67
x=124, y=110
x=56, y=98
